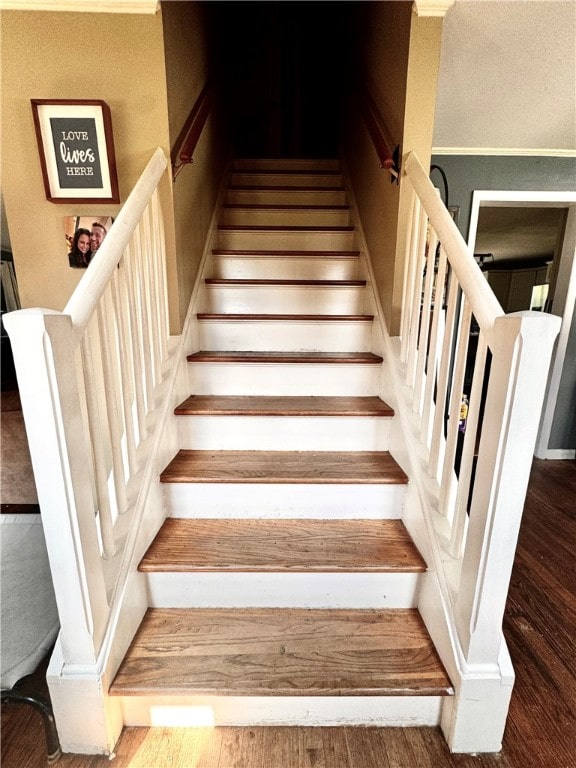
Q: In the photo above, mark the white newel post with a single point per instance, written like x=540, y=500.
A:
x=522, y=351
x=43, y=347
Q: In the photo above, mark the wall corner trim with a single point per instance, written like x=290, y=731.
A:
x=504, y=151
x=431, y=7
x=82, y=6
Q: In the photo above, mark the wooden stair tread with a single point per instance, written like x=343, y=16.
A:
x=269, y=316
x=256, y=545
x=287, y=171
x=281, y=188
x=206, y=405
x=215, y=356
x=286, y=253
x=285, y=283
x=283, y=207
x=282, y=228
x=281, y=652
x=298, y=467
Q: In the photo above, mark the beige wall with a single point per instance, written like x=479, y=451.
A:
x=400, y=67
x=118, y=58
x=196, y=187
x=384, y=40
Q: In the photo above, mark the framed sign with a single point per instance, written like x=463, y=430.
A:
x=76, y=150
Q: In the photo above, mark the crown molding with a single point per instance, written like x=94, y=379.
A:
x=82, y=6
x=502, y=151
x=431, y=7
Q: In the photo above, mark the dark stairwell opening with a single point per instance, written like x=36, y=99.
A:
x=282, y=69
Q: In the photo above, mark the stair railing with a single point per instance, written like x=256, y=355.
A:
x=91, y=379
x=478, y=454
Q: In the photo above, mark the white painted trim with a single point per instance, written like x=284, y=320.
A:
x=398, y=711
x=431, y=7
x=559, y=454
x=504, y=151
x=562, y=305
x=82, y=6
x=283, y=590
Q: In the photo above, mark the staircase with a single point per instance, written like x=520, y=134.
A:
x=283, y=587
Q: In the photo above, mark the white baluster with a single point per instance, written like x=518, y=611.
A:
x=438, y=442
x=448, y=482
x=436, y=340
x=121, y=311
x=132, y=301
x=417, y=299
x=112, y=388
x=460, y=524
x=409, y=272
x=160, y=275
x=423, y=341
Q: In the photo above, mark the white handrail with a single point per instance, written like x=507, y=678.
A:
x=485, y=306
x=100, y=271
x=472, y=486
x=89, y=369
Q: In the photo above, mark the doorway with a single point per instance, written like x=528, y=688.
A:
x=525, y=242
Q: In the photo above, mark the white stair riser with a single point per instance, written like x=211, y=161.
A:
x=284, y=299
x=189, y=711
x=283, y=433
x=284, y=268
x=288, y=336
x=255, y=196
x=284, y=240
x=292, y=179
x=283, y=500
x=283, y=590
x=279, y=217
x=286, y=164
x=284, y=379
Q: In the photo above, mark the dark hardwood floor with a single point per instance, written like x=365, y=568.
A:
x=540, y=627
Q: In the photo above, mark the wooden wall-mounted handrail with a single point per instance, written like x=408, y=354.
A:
x=187, y=140
x=389, y=158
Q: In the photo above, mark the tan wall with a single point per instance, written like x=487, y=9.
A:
x=421, y=87
x=196, y=187
x=117, y=58
x=400, y=66
x=385, y=41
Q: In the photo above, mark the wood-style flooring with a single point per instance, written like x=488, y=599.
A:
x=540, y=628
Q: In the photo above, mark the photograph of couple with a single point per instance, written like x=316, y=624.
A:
x=84, y=235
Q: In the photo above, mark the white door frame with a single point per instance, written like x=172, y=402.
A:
x=564, y=297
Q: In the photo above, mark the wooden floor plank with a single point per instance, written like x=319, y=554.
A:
x=378, y=546
x=340, y=358
x=211, y=405
x=281, y=652
x=302, y=467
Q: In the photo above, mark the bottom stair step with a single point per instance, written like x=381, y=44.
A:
x=279, y=652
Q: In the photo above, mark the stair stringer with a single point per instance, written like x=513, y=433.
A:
x=473, y=719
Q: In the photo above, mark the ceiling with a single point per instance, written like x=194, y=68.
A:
x=508, y=76
x=519, y=233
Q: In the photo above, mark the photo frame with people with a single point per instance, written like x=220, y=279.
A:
x=84, y=236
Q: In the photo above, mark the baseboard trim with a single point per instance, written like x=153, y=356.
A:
x=504, y=151
x=558, y=454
